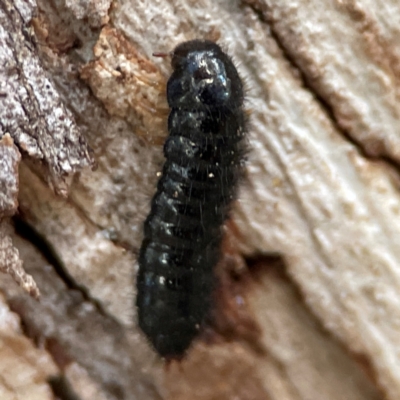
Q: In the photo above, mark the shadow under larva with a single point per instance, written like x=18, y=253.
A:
x=182, y=234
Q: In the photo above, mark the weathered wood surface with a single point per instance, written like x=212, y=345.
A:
x=320, y=319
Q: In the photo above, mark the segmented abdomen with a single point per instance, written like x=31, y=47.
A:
x=183, y=229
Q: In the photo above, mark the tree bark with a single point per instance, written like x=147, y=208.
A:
x=308, y=302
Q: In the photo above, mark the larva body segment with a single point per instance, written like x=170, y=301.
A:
x=182, y=234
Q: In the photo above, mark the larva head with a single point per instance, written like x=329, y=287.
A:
x=203, y=76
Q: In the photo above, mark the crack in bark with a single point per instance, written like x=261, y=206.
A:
x=28, y=232
x=261, y=10
x=62, y=388
x=74, y=328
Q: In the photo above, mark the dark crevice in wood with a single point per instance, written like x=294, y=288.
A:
x=274, y=259
x=26, y=231
x=73, y=327
x=62, y=389
x=71, y=330
x=71, y=333
x=274, y=264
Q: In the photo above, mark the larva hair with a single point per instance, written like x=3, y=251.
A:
x=182, y=234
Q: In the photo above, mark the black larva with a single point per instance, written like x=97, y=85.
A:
x=182, y=234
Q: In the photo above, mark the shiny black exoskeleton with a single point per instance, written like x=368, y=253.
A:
x=182, y=234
